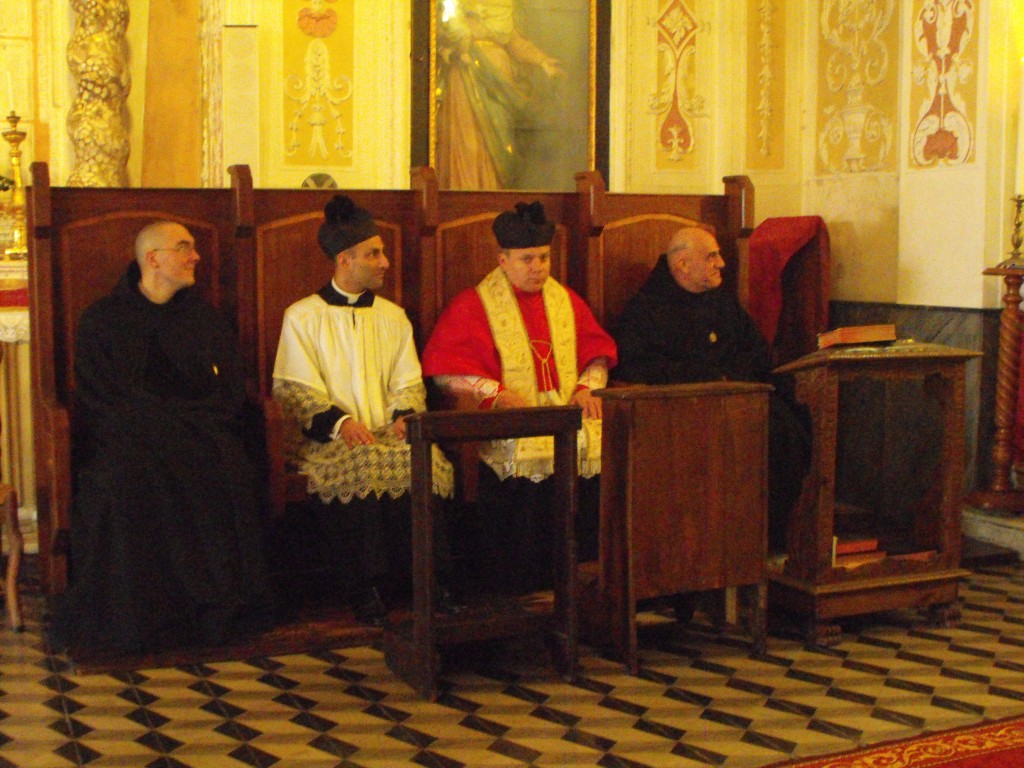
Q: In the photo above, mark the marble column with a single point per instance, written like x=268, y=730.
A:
x=98, y=121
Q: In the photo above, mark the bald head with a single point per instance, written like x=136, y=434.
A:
x=155, y=235
x=167, y=258
x=695, y=260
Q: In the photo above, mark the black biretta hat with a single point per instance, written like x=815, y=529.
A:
x=345, y=224
x=525, y=227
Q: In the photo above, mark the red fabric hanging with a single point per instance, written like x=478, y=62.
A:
x=772, y=245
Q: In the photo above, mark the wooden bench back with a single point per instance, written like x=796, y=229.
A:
x=458, y=247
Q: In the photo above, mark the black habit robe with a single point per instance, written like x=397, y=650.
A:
x=167, y=543
x=668, y=335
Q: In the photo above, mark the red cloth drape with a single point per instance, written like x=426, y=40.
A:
x=14, y=298
x=771, y=246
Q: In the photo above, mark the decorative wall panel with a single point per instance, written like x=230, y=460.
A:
x=330, y=106
x=857, y=86
x=211, y=50
x=766, y=84
x=98, y=124
x=318, y=82
x=943, y=94
x=676, y=101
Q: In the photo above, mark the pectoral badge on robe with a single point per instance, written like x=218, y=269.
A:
x=712, y=337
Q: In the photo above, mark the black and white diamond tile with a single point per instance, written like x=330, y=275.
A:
x=700, y=700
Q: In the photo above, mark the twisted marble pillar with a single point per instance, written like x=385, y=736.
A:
x=98, y=122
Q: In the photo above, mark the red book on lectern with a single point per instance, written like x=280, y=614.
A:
x=857, y=334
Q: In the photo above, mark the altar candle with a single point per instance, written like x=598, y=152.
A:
x=10, y=91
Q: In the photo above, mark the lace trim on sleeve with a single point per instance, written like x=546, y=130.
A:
x=300, y=402
x=480, y=387
x=413, y=398
x=596, y=374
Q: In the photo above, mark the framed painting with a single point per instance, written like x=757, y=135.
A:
x=512, y=92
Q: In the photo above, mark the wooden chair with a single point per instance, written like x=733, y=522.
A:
x=281, y=262
x=458, y=248
x=80, y=241
x=625, y=234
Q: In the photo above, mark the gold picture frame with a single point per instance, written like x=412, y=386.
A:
x=512, y=92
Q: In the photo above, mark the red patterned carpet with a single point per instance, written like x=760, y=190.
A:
x=998, y=744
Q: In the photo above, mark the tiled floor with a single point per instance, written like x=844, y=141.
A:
x=699, y=701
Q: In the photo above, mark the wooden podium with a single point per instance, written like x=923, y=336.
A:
x=683, y=502
x=920, y=563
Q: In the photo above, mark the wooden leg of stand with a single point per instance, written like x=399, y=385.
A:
x=1001, y=494
x=15, y=547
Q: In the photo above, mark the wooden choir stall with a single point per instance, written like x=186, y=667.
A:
x=259, y=254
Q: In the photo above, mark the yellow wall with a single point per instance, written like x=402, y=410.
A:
x=840, y=118
x=172, y=122
x=138, y=46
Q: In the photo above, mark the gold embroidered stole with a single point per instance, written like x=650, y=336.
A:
x=508, y=328
x=534, y=456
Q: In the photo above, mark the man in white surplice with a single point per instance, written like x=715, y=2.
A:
x=347, y=371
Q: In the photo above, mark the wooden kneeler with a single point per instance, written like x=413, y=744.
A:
x=411, y=647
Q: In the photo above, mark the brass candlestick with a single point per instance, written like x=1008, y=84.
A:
x=1017, y=238
x=14, y=137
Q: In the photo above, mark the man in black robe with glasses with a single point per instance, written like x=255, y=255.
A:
x=167, y=543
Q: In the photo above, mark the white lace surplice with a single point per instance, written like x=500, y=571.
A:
x=362, y=360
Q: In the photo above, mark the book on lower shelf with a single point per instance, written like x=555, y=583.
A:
x=848, y=546
x=857, y=334
x=857, y=559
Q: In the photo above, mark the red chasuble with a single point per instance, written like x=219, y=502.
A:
x=462, y=345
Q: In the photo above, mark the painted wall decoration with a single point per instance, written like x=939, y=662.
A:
x=318, y=82
x=857, y=86
x=766, y=84
x=945, y=62
x=676, y=101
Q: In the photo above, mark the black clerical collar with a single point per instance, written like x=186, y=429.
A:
x=332, y=296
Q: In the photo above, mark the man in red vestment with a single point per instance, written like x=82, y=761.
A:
x=520, y=339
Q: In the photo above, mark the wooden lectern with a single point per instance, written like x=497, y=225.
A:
x=683, y=502
x=916, y=567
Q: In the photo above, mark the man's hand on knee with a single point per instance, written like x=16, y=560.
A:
x=356, y=433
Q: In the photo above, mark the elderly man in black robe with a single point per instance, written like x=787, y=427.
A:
x=167, y=548
x=681, y=327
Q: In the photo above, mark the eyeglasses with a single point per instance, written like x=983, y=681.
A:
x=182, y=249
